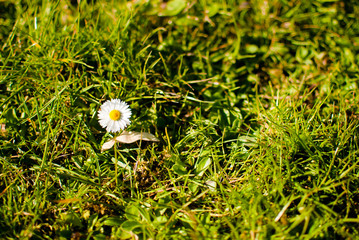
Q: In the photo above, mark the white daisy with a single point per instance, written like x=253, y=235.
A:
x=114, y=115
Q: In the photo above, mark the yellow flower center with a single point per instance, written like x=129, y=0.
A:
x=115, y=115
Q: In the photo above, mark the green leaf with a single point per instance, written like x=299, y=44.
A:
x=129, y=225
x=99, y=236
x=202, y=166
x=132, y=212
x=173, y=8
x=112, y=221
x=71, y=218
x=187, y=21
x=193, y=187
x=179, y=169
x=213, y=9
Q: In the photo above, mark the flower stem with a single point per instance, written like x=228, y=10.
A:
x=115, y=149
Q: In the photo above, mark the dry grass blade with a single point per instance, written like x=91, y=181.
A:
x=130, y=137
x=3, y=129
x=108, y=145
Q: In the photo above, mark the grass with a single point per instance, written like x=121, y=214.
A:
x=255, y=105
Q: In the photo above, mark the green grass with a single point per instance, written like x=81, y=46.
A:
x=255, y=105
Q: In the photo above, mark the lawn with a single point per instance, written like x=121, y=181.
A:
x=255, y=105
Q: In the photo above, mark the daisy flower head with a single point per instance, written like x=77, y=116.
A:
x=114, y=115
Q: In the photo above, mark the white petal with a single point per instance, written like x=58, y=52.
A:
x=104, y=115
x=109, y=126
